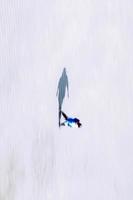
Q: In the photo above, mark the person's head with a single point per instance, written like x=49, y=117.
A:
x=77, y=121
x=79, y=124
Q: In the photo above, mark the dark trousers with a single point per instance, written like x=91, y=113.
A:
x=64, y=115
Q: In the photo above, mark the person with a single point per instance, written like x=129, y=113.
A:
x=71, y=122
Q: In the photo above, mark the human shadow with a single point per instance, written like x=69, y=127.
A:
x=61, y=91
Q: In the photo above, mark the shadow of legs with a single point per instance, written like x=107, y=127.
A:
x=59, y=115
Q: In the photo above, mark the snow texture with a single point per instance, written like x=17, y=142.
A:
x=93, y=40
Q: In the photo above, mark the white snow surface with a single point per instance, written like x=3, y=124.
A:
x=93, y=40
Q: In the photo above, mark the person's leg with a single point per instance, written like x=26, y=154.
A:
x=62, y=124
x=64, y=115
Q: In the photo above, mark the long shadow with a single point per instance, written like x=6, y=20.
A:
x=61, y=91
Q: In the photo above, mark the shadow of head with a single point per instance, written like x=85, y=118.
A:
x=64, y=72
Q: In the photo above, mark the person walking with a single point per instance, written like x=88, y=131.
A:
x=70, y=122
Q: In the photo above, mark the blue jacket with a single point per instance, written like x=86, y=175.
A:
x=71, y=122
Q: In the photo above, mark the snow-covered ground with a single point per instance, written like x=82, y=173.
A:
x=93, y=40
